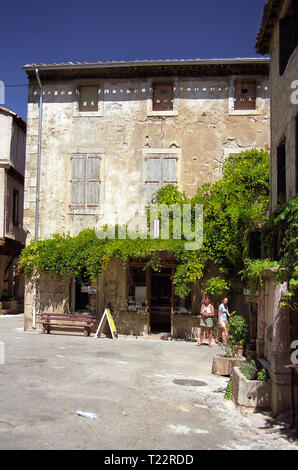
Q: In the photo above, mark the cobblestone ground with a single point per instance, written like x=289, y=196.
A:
x=135, y=387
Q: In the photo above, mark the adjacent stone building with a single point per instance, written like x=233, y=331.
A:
x=111, y=135
x=12, y=235
x=278, y=327
x=278, y=37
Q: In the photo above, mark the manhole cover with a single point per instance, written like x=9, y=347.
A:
x=189, y=383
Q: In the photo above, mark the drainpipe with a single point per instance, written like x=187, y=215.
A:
x=38, y=156
x=37, y=186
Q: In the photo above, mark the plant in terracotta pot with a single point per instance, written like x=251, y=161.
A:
x=238, y=329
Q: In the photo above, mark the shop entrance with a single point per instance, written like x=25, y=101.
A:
x=161, y=301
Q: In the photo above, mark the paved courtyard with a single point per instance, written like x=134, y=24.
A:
x=130, y=384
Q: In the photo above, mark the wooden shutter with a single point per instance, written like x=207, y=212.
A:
x=78, y=180
x=169, y=173
x=160, y=170
x=88, y=98
x=281, y=172
x=153, y=176
x=245, y=95
x=296, y=143
x=163, y=97
x=93, y=180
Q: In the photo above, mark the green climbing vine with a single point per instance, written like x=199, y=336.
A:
x=232, y=207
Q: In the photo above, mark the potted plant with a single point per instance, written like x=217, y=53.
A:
x=238, y=329
x=233, y=350
x=251, y=386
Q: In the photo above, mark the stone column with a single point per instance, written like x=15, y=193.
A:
x=280, y=357
x=261, y=322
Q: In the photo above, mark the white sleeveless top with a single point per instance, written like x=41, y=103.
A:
x=207, y=309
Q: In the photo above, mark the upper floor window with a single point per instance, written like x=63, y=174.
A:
x=296, y=143
x=245, y=95
x=163, y=97
x=85, y=181
x=15, y=207
x=288, y=36
x=88, y=99
x=281, y=172
x=160, y=170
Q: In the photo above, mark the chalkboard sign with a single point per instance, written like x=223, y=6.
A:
x=107, y=317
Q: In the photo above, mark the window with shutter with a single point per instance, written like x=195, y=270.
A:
x=296, y=143
x=85, y=180
x=88, y=98
x=78, y=180
x=288, y=35
x=163, y=97
x=281, y=172
x=245, y=95
x=161, y=169
x=93, y=180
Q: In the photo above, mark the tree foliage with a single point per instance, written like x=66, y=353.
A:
x=232, y=206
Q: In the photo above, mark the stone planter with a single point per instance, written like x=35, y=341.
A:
x=251, y=393
x=224, y=365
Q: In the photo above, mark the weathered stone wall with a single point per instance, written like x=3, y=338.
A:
x=49, y=294
x=2, y=201
x=203, y=132
x=273, y=343
x=5, y=135
x=185, y=326
x=283, y=113
x=15, y=232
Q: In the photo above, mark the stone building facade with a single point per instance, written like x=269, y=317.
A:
x=111, y=135
x=278, y=37
x=12, y=234
x=278, y=327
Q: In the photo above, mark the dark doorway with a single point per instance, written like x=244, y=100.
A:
x=81, y=297
x=161, y=301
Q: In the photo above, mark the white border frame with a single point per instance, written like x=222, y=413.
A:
x=150, y=83
x=86, y=82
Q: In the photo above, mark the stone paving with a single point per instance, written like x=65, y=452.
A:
x=144, y=390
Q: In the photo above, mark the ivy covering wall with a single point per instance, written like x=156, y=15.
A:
x=233, y=207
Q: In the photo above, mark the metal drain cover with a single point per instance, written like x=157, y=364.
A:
x=190, y=383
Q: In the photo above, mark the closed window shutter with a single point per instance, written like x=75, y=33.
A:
x=297, y=154
x=169, y=170
x=93, y=180
x=163, y=97
x=88, y=98
x=245, y=95
x=153, y=176
x=160, y=170
x=78, y=180
x=281, y=172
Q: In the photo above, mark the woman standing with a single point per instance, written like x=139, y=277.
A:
x=223, y=315
x=207, y=313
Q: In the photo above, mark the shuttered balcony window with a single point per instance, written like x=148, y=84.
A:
x=245, y=95
x=163, y=97
x=85, y=181
x=88, y=99
x=160, y=169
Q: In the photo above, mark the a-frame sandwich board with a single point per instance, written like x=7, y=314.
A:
x=107, y=317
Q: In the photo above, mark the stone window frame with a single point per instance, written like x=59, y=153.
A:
x=161, y=151
x=149, y=104
x=88, y=210
x=260, y=101
x=76, y=102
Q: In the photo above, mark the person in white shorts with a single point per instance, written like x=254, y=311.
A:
x=223, y=316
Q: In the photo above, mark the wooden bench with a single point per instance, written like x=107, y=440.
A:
x=67, y=320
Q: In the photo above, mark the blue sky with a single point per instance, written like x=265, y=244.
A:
x=90, y=30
